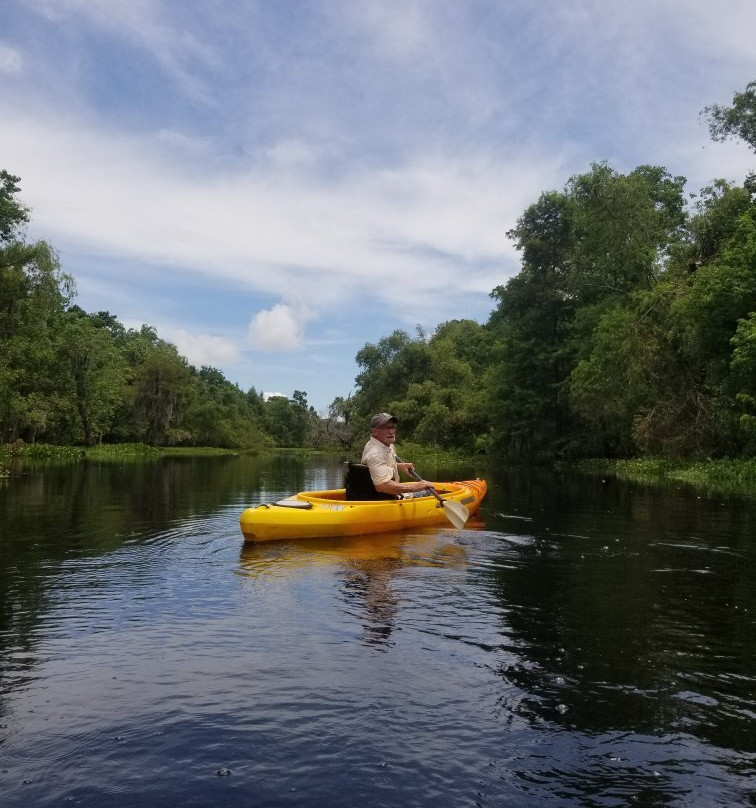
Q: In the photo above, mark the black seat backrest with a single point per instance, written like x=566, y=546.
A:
x=359, y=483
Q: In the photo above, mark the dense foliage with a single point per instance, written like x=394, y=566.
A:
x=630, y=330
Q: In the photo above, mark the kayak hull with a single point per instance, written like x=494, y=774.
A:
x=313, y=514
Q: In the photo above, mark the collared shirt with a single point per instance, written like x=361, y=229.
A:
x=381, y=460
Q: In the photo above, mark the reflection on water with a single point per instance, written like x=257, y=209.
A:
x=366, y=566
x=581, y=643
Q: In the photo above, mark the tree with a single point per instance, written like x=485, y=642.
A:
x=33, y=294
x=610, y=384
x=94, y=370
x=717, y=297
x=532, y=358
x=717, y=211
x=337, y=428
x=743, y=369
x=623, y=225
x=451, y=404
x=387, y=369
x=162, y=385
x=529, y=329
x=283, y=421
x=739, y=120
x=220, y=414
x=13, y=215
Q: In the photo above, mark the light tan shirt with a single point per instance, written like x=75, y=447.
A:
x=381, y=460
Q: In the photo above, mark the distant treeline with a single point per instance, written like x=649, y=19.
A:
x=629, y=330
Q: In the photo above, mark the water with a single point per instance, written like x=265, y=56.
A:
x=580, y=643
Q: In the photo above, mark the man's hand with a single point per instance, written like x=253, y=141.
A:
x=407, y=468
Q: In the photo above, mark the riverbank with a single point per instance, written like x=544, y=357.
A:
x=110, y=451
x=723, y=475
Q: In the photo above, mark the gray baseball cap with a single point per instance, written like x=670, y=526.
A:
x=382, y=419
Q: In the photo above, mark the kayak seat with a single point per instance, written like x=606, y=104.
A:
x=359, y=483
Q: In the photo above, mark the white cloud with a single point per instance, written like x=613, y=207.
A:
x=204, y=349
x=280, y=328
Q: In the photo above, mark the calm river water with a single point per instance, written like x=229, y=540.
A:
x=581, y=643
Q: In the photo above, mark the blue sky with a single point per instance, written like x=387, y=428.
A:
x=274, y=183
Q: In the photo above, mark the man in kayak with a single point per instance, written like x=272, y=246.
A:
x=380, y=458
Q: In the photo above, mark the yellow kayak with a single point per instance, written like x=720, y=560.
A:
x=312, y=514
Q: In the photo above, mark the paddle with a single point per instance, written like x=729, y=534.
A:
x=455, y=512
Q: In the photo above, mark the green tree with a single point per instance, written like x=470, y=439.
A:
x=162, y=386
x=33, y=295
x=433, y=384
x=255, y=402
x=447, y=408
x=220, y=414
x=282, y=422
x=13, y=215
x=530, y=355
x=657, y=371
x=704, y=321
x=78, y=377
x=739, y=120
x=94, y=368
x=743, y=384
x=716, y=211
x=623, y=226
x=532, y=358
x=387, y=369
x=610, y=384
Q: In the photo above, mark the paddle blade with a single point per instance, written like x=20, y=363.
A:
x=456, y=513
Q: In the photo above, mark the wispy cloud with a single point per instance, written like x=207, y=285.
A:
x=151, y=26
x=10, y=60
x=264, y=229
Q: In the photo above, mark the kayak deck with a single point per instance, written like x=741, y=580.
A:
x=312, y=514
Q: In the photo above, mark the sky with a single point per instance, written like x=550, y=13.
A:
x=273, y=184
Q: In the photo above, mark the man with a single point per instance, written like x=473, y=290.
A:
x=380, y=458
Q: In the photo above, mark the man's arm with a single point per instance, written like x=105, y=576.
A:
x=393, y=487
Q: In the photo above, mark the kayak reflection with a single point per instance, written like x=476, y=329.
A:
x=429, y=548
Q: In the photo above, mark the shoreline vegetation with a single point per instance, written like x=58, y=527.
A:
x=723, y=475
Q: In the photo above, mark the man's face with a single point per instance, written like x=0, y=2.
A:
x=385, y=434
